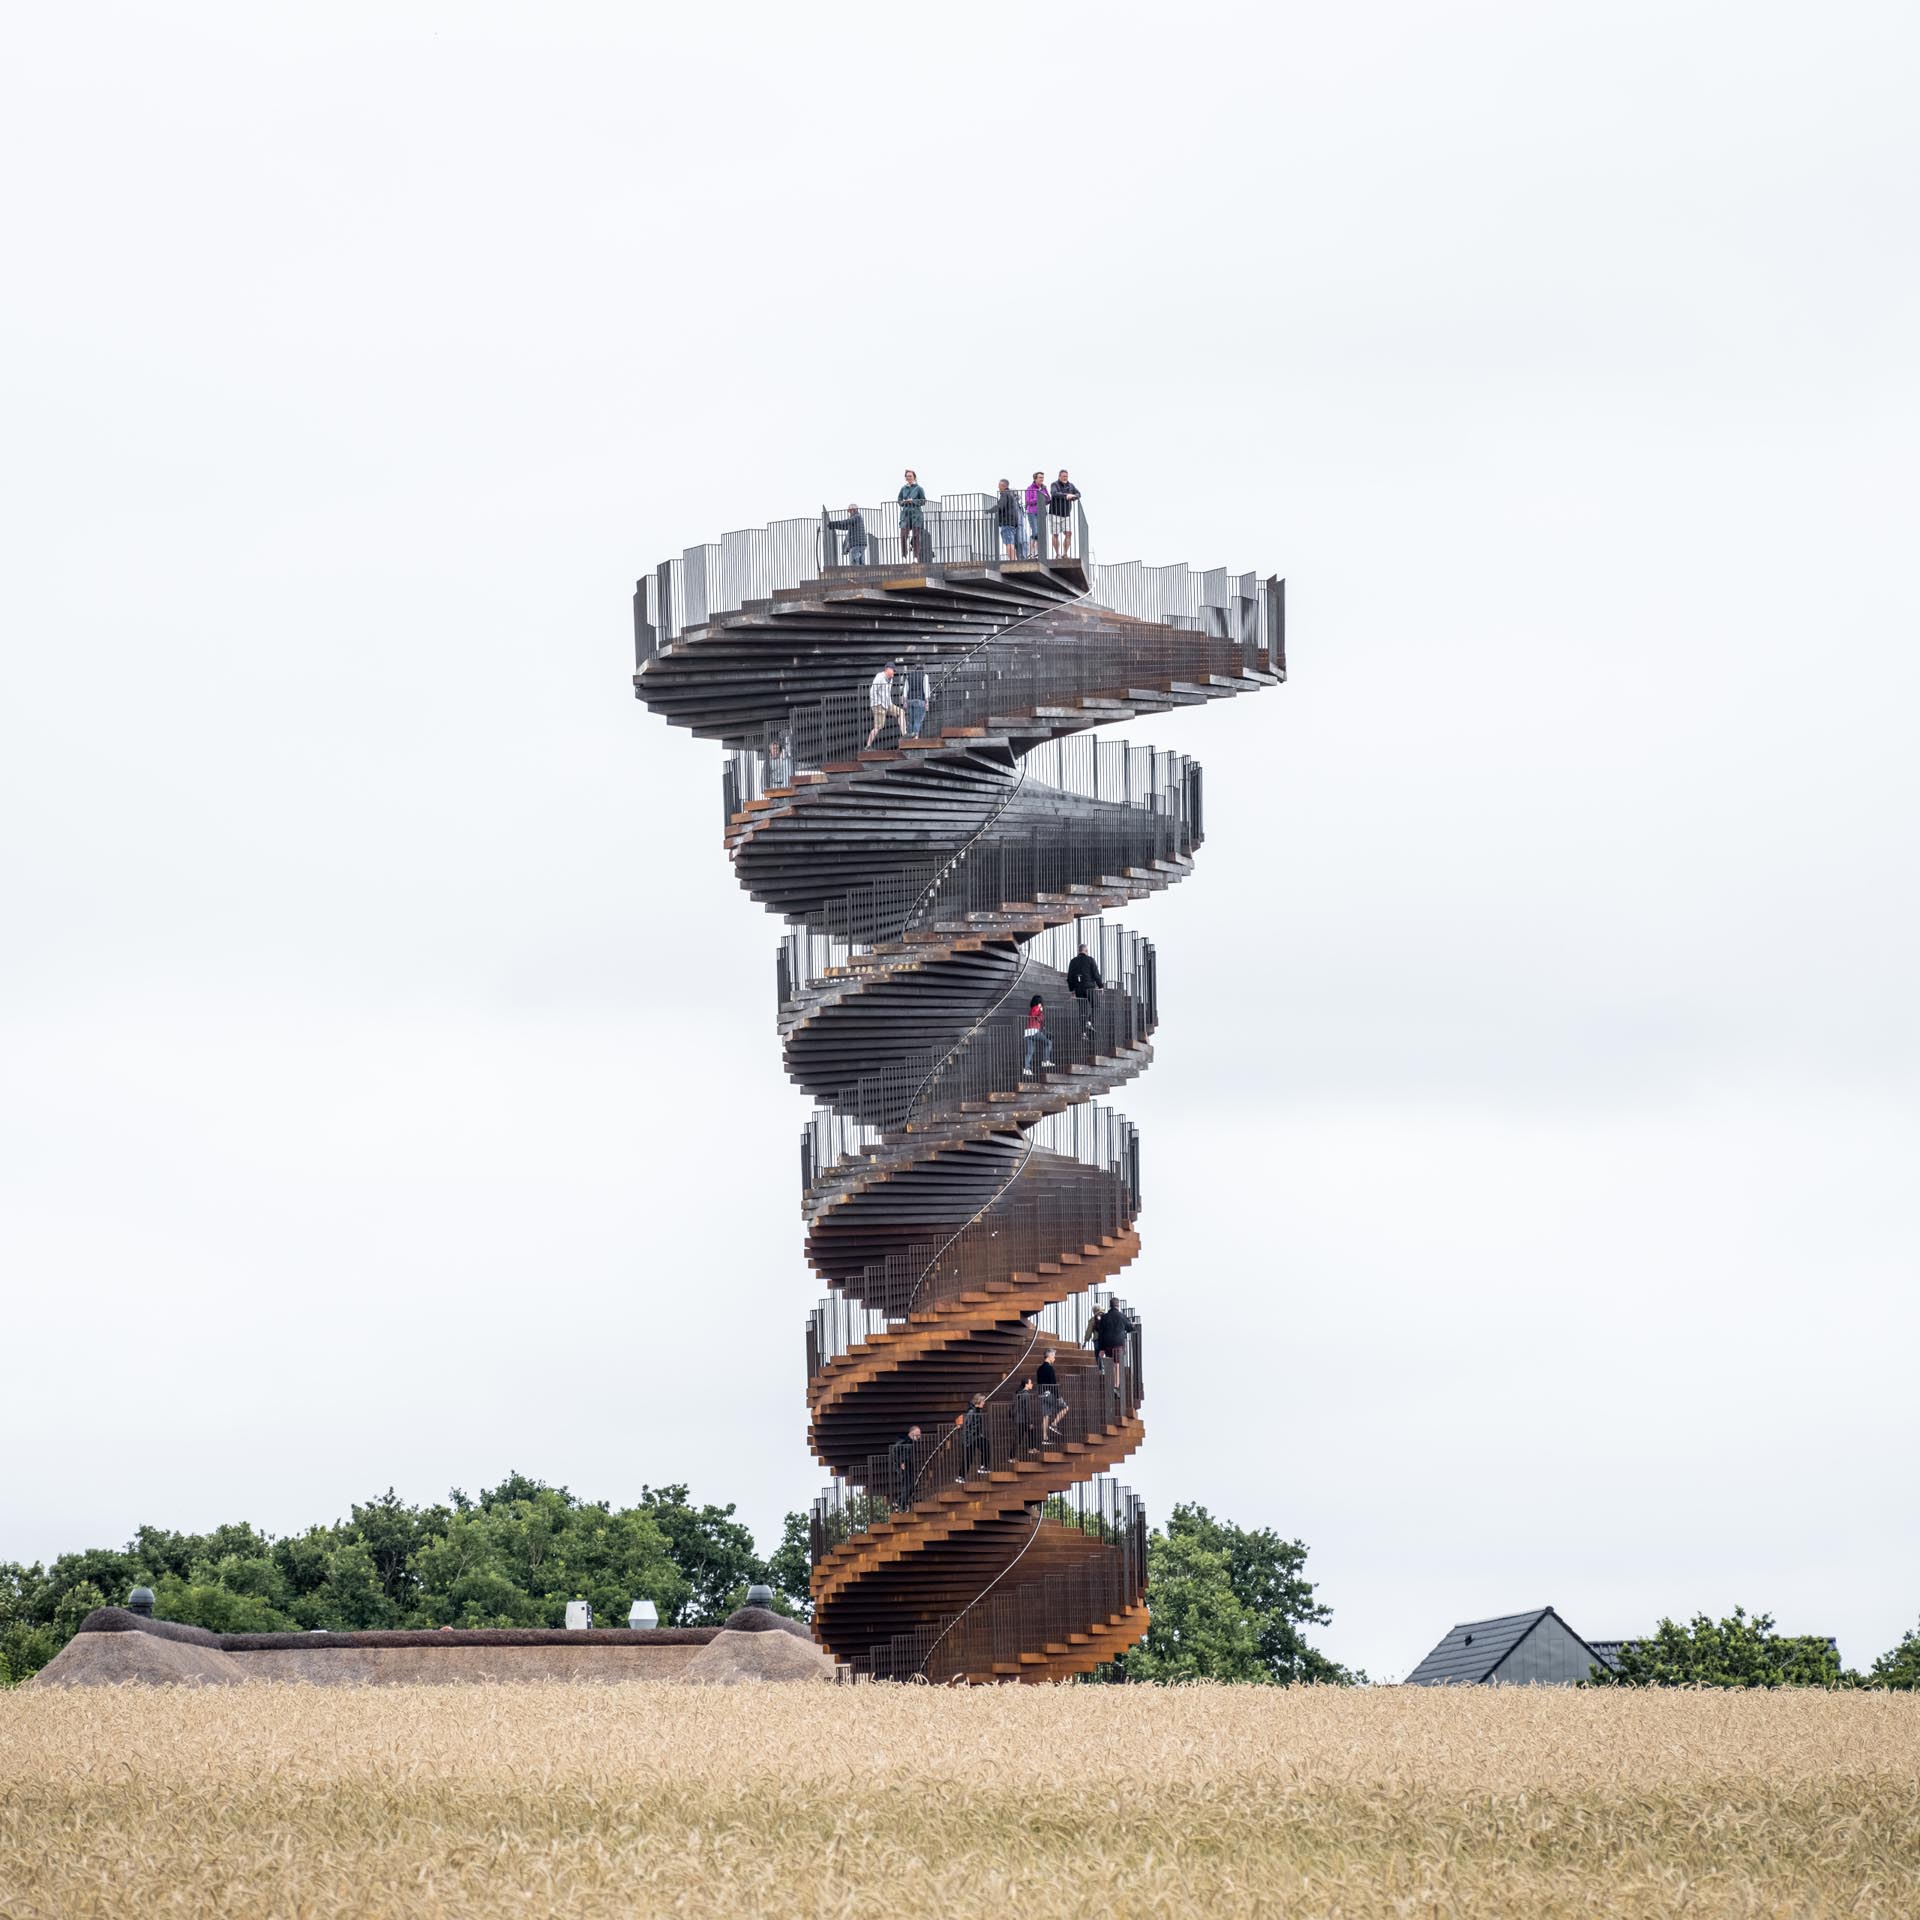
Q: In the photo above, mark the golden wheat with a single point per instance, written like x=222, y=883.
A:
x=1019, y=1804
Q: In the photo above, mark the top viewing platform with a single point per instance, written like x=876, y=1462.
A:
x=960, y=536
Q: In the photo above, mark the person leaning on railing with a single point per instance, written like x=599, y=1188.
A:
x=1008, y=516
x=1060, y=498
x=855, y=528
x=913, y=519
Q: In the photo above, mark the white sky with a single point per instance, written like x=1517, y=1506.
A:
x=391, y=1092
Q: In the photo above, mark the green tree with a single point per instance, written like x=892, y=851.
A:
x=1739, y=1651
x=351, y=1598
x=789, y=1571
x=526, y=1549
x=1898, y=1667
x=215, y=1607
x=713, y=1549
x=24, y=1650
x=393, y=1533
x=512, y=1558
x=101, y=1569
x=1229, y=1603
x=73, y=1607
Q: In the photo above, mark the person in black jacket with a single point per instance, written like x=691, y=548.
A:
x=900, y=1459
x=1083, y=982
x=973, y=1438
x=1110, y=1343
x=1023, y=1417
x=1053, y=1409
x=1060, y=498
x=1009, y=518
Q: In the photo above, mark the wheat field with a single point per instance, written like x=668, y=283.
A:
x=1020, y=1804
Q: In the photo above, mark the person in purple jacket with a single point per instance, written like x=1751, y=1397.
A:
x=1038, y=496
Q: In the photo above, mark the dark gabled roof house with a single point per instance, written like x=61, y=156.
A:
x=1518, y=1647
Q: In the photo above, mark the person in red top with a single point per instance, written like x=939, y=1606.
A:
x=1037, y=1041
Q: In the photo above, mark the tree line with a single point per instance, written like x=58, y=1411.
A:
x=1744, y=1651
x=1229, y=1603
x=513, y=1557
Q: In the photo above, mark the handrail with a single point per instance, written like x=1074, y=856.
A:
x=980, y=1213
x=875, y=1486
x=980, y=833
x=690, y=589
x=1033, y=1534
x=1005, y=1621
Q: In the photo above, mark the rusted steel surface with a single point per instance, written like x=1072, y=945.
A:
x=941, y=844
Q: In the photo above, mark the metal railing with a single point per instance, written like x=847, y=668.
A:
x=807, y=963
x=963, y=529
x=1043, y=860
x=1089, y=1044
x=1033, y=1218
x=839, y=1324
x=988, y=1637
x=752, y=565
x=1009, y=685
x=1019, y=1423
x=1048, y=873
x=833, y=1145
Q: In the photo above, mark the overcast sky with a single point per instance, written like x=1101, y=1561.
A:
x=391, y=1091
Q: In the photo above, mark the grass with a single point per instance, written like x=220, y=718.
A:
x=1018, y=1804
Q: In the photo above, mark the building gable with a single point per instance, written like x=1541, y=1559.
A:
x=1549, y=1653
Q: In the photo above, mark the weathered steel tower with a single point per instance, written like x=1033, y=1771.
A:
x=966, y=1201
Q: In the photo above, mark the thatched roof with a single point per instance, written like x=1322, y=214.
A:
x=765, y=1620
x=119, y=1620
x=734, y=1659
x=144, y=1659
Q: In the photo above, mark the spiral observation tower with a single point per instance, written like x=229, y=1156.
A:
x=967, y=1204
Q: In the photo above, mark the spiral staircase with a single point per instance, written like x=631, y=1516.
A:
x=968, y=1207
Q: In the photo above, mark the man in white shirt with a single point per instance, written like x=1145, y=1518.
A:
x=880, y=699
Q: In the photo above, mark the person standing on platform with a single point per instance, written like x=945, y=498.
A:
x=1008, y=514
x=1060, y=501
x=913, y=519
x=1037, y=501
x=918, y=691
x=885, y=707
x=900, y=1459
x=854, y=527
x=1053, y=1409
x=1083, y=982
x=780, y=762
x=1037, y=1041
